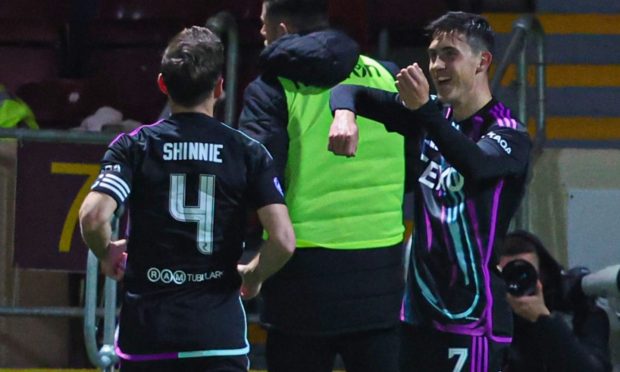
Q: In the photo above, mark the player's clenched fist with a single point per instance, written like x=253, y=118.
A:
x=412, y=86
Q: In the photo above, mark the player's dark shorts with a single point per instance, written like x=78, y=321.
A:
x=188, y=323
x=364, y=351
x=209, y=364
x=426, y=349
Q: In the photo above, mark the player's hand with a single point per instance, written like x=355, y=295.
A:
x=529, y=307
x=251, y=285
x=113, y=264
x=343, y=134
x=412, y=86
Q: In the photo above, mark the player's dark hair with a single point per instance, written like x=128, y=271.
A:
x=476, y=29
x=305, y=15
x=550, y=272
x=191, y=65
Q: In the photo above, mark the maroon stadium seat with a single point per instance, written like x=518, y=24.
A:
x=64, y=103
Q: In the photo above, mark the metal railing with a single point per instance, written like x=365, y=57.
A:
x=525, y=28
x=223, y=23
x=55, y=135
x=104, y=357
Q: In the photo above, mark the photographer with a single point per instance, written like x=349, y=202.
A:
x=557, y=328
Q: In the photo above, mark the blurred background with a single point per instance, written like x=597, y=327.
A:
x=67, y=58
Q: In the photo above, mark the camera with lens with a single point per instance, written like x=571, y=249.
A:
x=520, y=277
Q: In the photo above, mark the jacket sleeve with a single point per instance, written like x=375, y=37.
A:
x=264, y=117
x=583, y=349
x=376, y=104
x=503, y=151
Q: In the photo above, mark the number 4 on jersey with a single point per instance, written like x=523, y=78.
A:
x=202, y=214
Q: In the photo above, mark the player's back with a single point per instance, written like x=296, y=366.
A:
x=189, y=195
x=188, y=182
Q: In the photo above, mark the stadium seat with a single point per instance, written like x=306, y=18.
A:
x=64, y=103
x=127, y=59
x=31, y=40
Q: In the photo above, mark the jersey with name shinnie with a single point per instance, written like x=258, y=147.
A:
x=187, y=182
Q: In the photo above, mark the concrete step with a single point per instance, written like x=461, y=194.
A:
x=582, y=73
x=571, y=75
x=580, y=128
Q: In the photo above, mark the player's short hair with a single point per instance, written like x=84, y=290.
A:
x=477, y=30
x=303, y=14
x=191, y=65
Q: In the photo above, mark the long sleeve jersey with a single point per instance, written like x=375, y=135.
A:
x=469, y=178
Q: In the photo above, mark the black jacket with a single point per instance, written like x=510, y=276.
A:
x=321, y=58
x=319, y=291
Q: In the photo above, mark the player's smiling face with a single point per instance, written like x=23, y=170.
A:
x=452, y=66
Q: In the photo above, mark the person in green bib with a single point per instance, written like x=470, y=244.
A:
x=341, y=292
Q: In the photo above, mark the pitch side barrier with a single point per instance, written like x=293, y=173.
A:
x=54, y=172
x=55, y=169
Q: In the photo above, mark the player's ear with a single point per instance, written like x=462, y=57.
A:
x=218, y=89
x=284, y=29
x=162, y=84
x=485, y=61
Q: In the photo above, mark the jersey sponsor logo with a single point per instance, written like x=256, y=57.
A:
x=202, y=151
x=502, y=142
x=179, y=277
x=447, y=179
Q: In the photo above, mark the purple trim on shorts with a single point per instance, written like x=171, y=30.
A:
x=144, y=357
x=501, y=339
x=140, y=357
x=470, y=329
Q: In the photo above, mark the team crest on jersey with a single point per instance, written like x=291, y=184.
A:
x=277, y=185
